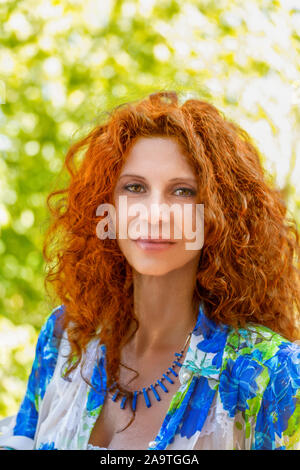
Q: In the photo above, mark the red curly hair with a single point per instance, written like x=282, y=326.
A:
x=249, y=267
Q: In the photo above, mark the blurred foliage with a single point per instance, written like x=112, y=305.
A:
x=17, y=348
x=65, y=63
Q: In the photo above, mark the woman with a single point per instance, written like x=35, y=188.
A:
x=105, y=374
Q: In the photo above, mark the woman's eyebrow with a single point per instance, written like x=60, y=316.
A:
x=187, y=178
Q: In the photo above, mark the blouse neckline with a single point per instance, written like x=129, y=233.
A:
x=198, y=374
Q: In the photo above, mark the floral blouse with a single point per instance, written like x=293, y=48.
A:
x=238, y=391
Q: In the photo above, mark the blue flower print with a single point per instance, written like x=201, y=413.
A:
x=237, y=383
x=47, y=446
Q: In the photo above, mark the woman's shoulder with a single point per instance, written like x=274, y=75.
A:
x=53, y=325
x=262, y=344
x=260, y=384
x=52, y=331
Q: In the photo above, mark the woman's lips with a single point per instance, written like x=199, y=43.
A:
x=153, y=244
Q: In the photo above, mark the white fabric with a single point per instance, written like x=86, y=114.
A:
x=91, y=447
x=8, y=440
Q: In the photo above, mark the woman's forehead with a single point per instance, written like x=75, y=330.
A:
x=157, y=153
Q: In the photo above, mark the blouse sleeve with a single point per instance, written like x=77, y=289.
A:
x=278, y=419
x=18, y=431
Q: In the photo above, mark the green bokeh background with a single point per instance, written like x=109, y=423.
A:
x=64, y=64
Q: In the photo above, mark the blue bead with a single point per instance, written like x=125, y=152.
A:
x=177, y=363
x=162, y=386
x=134, y=400
x=146, y=398
x=173, y=371
x=178, y=354
x=155, y=393
x=123, y=402
x=115, y=395
x=168, y=378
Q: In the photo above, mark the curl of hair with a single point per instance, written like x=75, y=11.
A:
x=249, y=269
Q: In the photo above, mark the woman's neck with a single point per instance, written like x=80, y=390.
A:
x=166, y=310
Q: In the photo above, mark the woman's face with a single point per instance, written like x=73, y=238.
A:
x=156, y=172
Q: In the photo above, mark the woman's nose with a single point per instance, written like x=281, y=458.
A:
x=157, y=208
x=156, y=217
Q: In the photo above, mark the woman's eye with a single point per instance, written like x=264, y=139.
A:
x=133, y=185
x=191, y=192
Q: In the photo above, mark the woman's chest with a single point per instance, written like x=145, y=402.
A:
x=146, y=423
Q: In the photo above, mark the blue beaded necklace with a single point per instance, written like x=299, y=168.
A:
x=152, y=387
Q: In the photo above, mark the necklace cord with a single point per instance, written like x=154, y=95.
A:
x=134, y=395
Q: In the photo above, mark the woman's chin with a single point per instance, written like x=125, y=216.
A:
x=158, y=269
